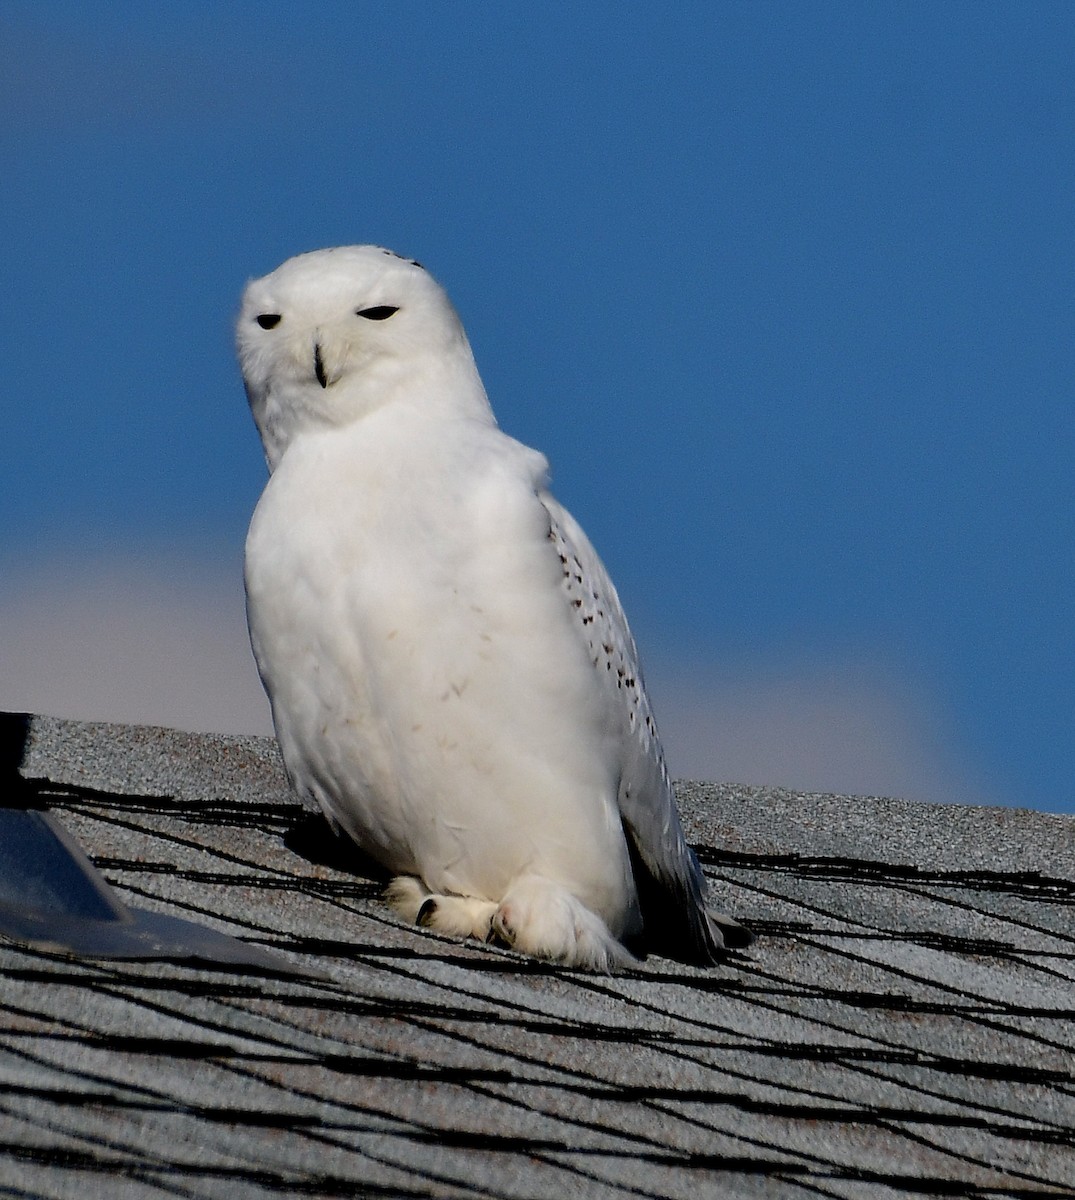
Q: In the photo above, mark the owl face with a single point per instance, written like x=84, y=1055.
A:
x=331, y=335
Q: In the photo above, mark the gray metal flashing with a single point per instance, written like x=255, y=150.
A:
x=902, y=1026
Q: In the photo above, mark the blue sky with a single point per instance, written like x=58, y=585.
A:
x=784, y=291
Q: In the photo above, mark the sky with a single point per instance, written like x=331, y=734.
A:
x=783, y=290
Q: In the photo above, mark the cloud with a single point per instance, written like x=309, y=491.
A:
x=152, y=641
x=842, y=724
x=162, y=641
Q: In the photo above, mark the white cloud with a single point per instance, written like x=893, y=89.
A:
x=849, y=725
x=162, y=641
x=148, y=641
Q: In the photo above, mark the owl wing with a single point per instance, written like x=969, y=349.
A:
x=670, y=882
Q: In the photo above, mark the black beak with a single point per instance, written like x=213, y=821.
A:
x=319, y=367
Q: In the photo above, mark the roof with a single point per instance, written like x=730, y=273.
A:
x=902, y=1026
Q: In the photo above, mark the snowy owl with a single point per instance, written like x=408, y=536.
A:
x=451, y=675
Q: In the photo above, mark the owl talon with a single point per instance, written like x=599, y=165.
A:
x=458, y=916
x=500, y=934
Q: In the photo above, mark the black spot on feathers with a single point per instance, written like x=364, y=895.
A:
x=413, y=261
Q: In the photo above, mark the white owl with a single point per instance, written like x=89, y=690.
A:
x=451, y=675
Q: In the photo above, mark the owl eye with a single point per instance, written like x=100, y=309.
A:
x=380, y=312
x=268, y=320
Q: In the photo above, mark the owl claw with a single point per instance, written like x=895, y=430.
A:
x=458, y=916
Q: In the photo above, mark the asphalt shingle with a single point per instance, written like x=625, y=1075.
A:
x=901, y=1027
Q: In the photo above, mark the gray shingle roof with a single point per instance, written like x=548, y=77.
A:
x=901, y=1027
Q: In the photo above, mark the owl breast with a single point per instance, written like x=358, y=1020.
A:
x=429, y=686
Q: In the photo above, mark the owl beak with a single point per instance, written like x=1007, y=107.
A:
x=319, y=367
